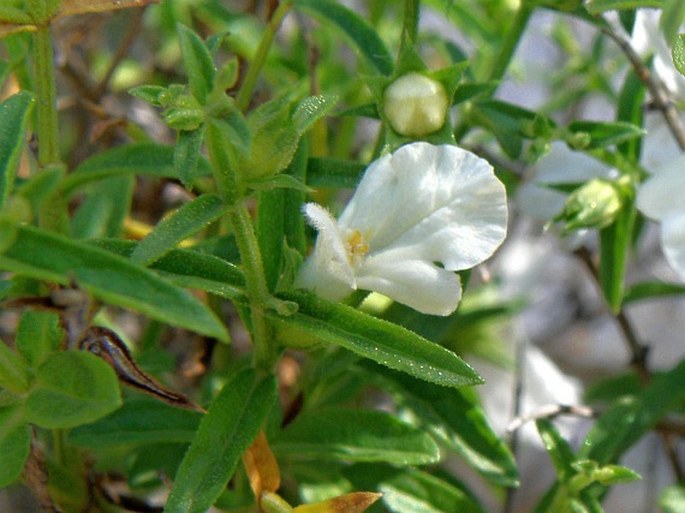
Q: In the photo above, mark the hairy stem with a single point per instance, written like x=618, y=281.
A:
x=46, y=94
x=246, y=239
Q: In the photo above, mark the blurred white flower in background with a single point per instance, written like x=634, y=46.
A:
x=414, y=208
x=662, y=197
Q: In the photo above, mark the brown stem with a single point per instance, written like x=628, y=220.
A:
x=121, y=52
x=639, y=352
x=655, y=86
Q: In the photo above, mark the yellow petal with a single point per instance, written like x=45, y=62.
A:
x=261, y=466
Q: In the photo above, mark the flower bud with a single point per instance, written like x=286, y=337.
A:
x=415, y=105
x=593, y=205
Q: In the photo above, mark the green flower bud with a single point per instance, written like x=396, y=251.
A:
x=184, y=113
x=593, y=205
x=415, y=105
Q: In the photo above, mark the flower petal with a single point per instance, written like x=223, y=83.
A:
x=442, y=201
x=421, y=285
x=327, y=271
x=663, y=193
x=673, y=241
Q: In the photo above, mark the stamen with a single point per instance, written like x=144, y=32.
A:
x=356, y=246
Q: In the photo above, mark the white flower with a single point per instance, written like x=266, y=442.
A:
x=661, y=198
x=418, y=215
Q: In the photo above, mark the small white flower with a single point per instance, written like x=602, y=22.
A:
x=418, y=215
x=661, y=198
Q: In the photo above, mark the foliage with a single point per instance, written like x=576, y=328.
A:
x=158, y=334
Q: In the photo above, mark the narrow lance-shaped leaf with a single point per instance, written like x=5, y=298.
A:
x=133, y=159
x=628, y=419
x=615, y=241
x=355, y=435
x=139, y=421
x=454, y=418
x=232, y=422
x=14, y=115
x=678, y=53
x=381, y=341
x=186, y=221
x=197, y=61
x=187, y=155
x=48, y=256
x=364, y=36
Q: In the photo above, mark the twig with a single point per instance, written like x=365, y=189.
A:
x=639, y=352
x=551, y=411
x=655, y=86
x=121, y=52
x=521, y=344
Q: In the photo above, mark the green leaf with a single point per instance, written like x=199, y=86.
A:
x=198, y=63
x=72, y=388
x=48, y=256
x=139, y=421
x=14, y=115
x=364, y=36
x=599, y=6
x=454, y=418
x=187, y=155
x=226, y=431
x=409, y=490
x=333, y=172
x=671, y=500
x=104, y=208
x=38, y=335
x=147, y=159
x=354, y=435
x=15, y=443
x=312, y=109
x=605, y=133
x=419, y=492
x=381, y=341
x=190, y=268
x=186, y=221
x=615, y=241
x=630, y=109
x=15, y=374
x=280, y=221
x=276, y=128
x=678, y=53
x=671, y=19
x=508, y=123
x=629, y=418
x=652, y=289
x=152, y=94
x=558, y=449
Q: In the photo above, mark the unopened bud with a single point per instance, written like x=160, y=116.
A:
x=593, y=205
x=415, y=105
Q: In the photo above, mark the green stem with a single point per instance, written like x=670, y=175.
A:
x=246, y=239
x=58, y=446
x=511, y=40
x=46, y=93
x=255, y=282
x=250, y=81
